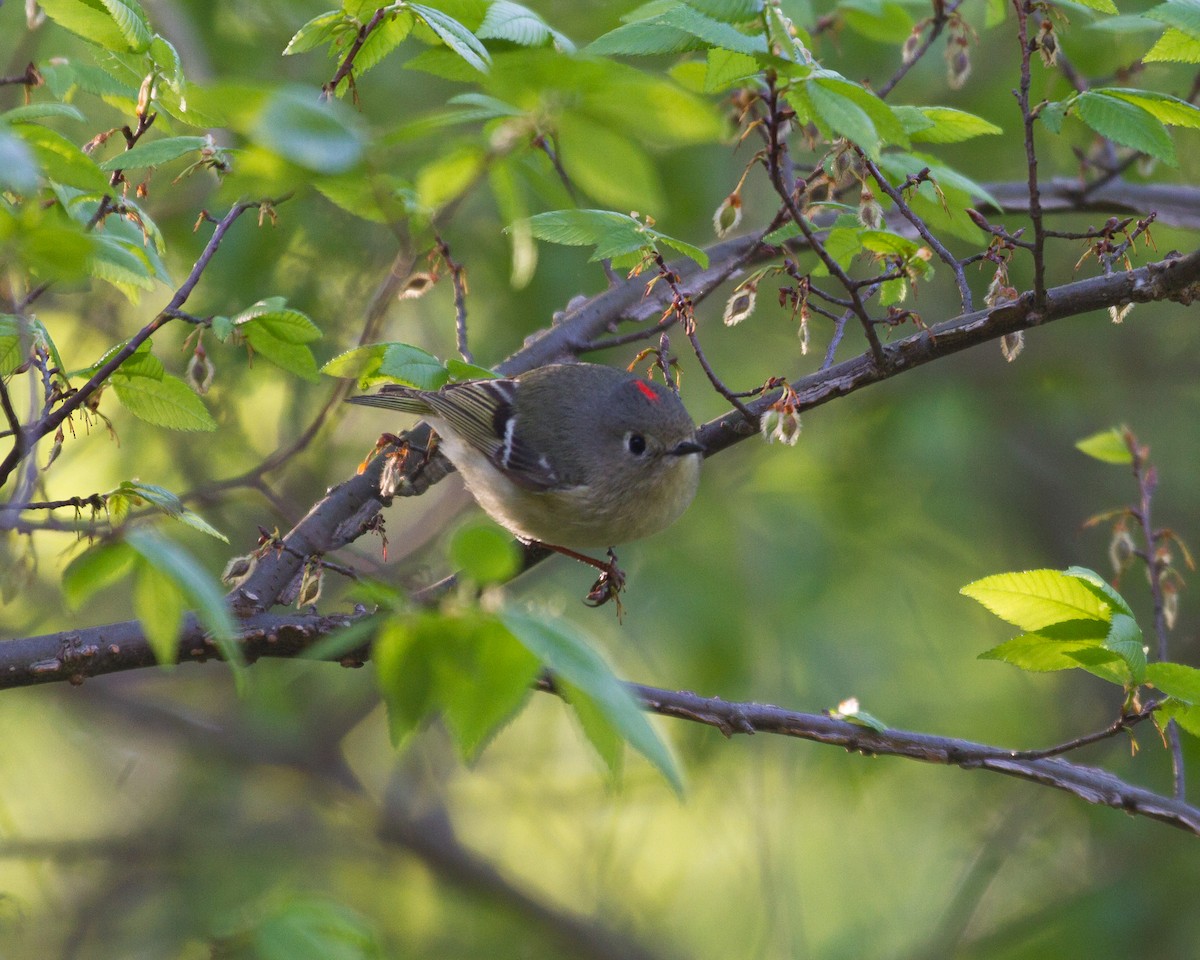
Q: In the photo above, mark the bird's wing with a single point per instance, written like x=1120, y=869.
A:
x=483, y=414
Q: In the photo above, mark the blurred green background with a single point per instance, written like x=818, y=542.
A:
x=153, y=814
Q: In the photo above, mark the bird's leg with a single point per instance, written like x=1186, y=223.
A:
x=608, y=585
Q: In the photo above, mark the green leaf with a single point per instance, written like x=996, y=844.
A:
x=1101, y=588
x=385, y=38
x=608, y=166
x=389, y=363
x=1185, y=714
x=460, y=370
x=485, y=553
x=1174, y=46
x=725, y=69
x=41, y=111
x=322, y=136
x=613, y=234
x=199, y=588
x=454, y=35
x=168, y=402
x=643, y=38
x=1107, y=446
x=729, y=11
x=510, y=21
x=947, y=125
x=96, y=569
x=1164, y=108
x=449, y=176
x=61, y=160
x=295, y=358
x=159, y=603
x=675, y=30
x=1125, y=123
x=308, y=928
x=169, y=504
x=484, y=675
x=567, y=654
x=19, y=168
x=882, y=22
x=1041, y=653
x=113, y=24
x=1035, y=599
x=281, y=321
x=321, y=29
x=155, y=152
x=1125, y=640
x=1176, y=680
x=1183, y=15
x=404, y=667
x=1104, y=6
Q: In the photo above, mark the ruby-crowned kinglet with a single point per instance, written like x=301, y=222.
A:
x=567, y=454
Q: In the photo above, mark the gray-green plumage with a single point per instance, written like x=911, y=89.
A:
x=568, y=454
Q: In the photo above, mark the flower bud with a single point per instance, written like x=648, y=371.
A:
x=1012, y=344
x=1120, y=548
x=728, y=215
x=740, y=305
x=200, y=370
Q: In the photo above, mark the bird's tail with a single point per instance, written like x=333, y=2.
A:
x=394, y=397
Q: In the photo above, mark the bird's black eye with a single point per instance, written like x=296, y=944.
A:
x=636, y=444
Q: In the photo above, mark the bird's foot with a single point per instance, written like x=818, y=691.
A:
x=608, y=585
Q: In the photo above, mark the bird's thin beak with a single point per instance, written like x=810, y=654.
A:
x=685, y=447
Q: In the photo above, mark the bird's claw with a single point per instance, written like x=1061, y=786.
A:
x=608, y=586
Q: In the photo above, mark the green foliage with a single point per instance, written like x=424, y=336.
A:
x=308, y=928
x=483, y=552
x=624, y=239
x=606, y=709
x=467, y=668
x=389, y=363
x=1075, y=619
x=1107, y=446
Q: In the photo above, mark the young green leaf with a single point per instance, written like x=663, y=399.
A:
x=567, y=654
x=1035, y=599
x=169, y=504
x=485, y=553
x=1101, y=588
x=947, y=125
x=168, y=402
x=1187, y=715
x=510, y=21
x=1107, y=446
x=321, y=29
x=197, y=586
x=30, y=112
x=155, y=152
x=484, y=682
x=283, y=323
x=96, y=569
x=1175, y=680
x=1174, y=46
x=1183, y=15
x=1125, y=123
x=1040, y=652
x=288, y=355
x=389, y=362
x=454, y=35
x=322, y=136
x=1125, y=640
x=118, y=25
x=403, y=659
x=61, y=160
